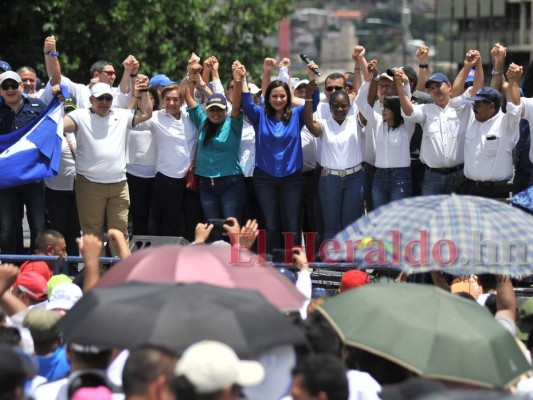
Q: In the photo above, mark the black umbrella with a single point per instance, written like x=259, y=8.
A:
x=176, y=316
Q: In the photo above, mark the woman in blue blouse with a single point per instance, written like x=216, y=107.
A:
x=221, y=181
x=278, y=158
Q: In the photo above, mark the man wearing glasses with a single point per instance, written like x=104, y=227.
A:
x=15, y=112
x=101, y=187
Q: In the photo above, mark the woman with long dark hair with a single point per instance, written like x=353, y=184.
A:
x=278, y=158
x=221, y=181
x=392, y=180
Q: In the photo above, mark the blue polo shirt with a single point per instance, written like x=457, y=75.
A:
x=220, y=157
x=10, y=120
x=278, y=145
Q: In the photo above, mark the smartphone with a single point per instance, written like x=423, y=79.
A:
x=219, y=222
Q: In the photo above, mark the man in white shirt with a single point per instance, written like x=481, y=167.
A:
x=101, y=186
x=443, y=139
x=490, y=136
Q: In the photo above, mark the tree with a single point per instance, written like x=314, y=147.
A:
x=161, y=34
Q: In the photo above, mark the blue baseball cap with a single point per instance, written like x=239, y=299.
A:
x=486, y=94
x=288, y=274
x=5, y=66
x=161, y=80
x=217, y=100
x=437, y=77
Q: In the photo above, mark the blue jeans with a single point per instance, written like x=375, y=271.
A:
x=341, y=199
x=391, y=184
x=280, y=200
x=11, y=200
x=222, y=198
x=437, y=183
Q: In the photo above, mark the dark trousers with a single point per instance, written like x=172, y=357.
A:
x=311, y=213
x=11, y=200
x=177, y=210
x=63, y=216
x=141, y=203
x=280, y=199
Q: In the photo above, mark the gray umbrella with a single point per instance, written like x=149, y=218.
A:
x=176, y=316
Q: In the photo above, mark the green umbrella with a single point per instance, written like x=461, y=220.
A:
x=428, y=331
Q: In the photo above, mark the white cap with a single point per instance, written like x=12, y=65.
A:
x=212, y=366
x=254, y=89
x=100, y=89
x=64, y=296
x=10, y=75
x=384, y=75
x=300, y=83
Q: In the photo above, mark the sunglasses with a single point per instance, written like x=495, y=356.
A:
x=10, y=85
x=110, y=73
x=105, y=98
x=216, y=109
x=332, y=88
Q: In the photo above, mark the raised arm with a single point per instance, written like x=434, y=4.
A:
x=284, y=73
x=505, y=298
x=372, y=73
x=360, y=64
x=401, y=79
x=90, y=249
x=194, y=75
x=423, y=67
x=471, y=58
x=214, y=71
x=512, y=94
x=51, y=61
x=131, y=67
x=239, y=75
x=269, y=65
x=313, y=126
x=498, y=54
x=206, y=71
x=144, y=112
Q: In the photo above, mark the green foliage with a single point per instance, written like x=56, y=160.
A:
x=161, y=34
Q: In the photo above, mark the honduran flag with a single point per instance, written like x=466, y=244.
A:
x=32, y=152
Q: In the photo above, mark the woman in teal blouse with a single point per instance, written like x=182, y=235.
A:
x=221, y=181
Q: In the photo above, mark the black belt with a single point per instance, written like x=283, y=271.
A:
x=446, y=170
x=486, y=184
x=392, y=169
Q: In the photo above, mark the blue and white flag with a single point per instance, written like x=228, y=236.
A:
x=32, y=152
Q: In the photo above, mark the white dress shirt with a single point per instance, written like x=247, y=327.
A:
x=443, y=134
x=489, y=160
x=392, y=145
x=176, y=142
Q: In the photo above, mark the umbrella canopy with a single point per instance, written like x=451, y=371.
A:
x=456, y=234
x=429, y=331
x=220, y=266
x=177, y=316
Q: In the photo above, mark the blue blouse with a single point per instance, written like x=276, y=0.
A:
x=278, y=146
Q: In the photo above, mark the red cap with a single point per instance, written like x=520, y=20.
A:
x=38, y=266
x=33, y=284
x=353, y=278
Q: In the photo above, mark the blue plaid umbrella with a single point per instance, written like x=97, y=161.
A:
x=524, y=199
x=450, y=233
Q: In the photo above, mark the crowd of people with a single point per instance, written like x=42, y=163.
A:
x=163, y=157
